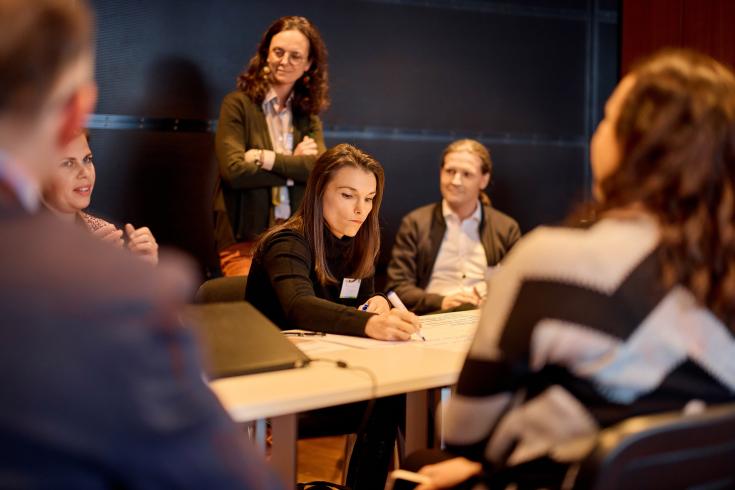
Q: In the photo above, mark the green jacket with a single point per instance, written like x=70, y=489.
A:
x=242, y=202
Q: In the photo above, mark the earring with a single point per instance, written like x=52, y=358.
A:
x=305, y=79
x=266, y=69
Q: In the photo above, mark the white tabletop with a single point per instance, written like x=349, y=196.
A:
x=398, y=369
x=408, y=368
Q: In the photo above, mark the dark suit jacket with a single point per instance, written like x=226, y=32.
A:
x=417, y=246
x=243, y=196
x=100, y=385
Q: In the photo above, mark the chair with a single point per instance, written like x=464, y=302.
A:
x=222, y=290
x=231, y=289
x=670, y=450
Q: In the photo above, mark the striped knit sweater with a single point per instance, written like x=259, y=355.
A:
x=577, y=334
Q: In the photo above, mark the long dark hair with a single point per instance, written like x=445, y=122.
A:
x=676, y=132
x=311, y=91
x=309, y=219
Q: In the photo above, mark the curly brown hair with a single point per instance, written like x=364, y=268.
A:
x=311, y=92
x=676, y=132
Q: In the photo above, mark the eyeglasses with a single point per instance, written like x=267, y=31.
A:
x=293, y=58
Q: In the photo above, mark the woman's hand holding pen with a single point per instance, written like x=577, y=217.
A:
x=394, y=324
x=376, y=304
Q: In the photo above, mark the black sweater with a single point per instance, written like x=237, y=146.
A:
x=282, y=284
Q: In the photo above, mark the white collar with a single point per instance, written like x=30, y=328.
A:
x=447, y=212
x=271, y=99
x=26, y=188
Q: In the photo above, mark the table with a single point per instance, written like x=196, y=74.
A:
x=399, y=368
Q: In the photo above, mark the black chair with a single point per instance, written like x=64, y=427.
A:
x=231, y=289
x=222, y=290
x=671, y=451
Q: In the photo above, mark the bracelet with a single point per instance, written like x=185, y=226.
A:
x=259, y=160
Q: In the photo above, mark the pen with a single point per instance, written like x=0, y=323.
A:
x=476, y=293
x=397, y=303
x=305, y=334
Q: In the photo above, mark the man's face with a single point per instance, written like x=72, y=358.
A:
x=461, y=178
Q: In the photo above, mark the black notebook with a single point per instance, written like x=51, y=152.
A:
x=237, y=339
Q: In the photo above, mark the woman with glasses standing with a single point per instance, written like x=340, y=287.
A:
x=268, y=137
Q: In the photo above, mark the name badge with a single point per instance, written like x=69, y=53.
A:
x=350, y=288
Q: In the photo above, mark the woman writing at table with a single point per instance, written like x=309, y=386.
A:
x=268, y=138
x=315, y=271
x=583, y=328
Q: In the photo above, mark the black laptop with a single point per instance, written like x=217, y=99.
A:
x=237, y=339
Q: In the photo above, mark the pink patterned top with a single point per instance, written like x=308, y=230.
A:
x=92, y=223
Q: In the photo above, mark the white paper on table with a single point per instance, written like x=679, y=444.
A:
x=358, y=342
x=315, y=346
x=453, y=331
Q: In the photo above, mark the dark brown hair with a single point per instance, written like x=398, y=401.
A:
x=309, y=219
x=311, y=91
x=38, y=40
x=476, y=148
x=676, y=132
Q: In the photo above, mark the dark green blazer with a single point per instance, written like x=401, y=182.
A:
x=242, y=202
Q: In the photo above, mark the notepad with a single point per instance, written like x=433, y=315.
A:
x=453, y=331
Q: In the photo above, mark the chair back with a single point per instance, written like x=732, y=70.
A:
x=222, y=290
x=670, y=450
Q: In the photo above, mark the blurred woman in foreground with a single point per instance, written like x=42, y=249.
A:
x=636, y=314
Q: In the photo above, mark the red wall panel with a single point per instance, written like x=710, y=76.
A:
x=704, y=25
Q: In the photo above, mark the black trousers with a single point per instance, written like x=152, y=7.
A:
x=373, y=449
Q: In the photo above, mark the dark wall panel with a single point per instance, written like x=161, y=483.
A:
x=410, y=67
x=162, y=180
x=407, y=77
x=459, y=71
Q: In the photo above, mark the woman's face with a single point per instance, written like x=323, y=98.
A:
x=288, y=57
x=605, y=147
x=68, y=188
x=348, y=200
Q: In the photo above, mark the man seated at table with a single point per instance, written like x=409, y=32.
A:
x=443, y=250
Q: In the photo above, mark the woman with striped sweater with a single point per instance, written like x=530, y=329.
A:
x=633, y=314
